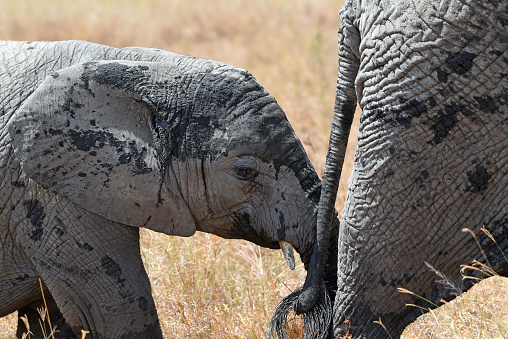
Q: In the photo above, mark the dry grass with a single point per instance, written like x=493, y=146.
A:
x=204, y=286
x=482, y=312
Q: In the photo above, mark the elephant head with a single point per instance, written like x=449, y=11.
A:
x=171, y=146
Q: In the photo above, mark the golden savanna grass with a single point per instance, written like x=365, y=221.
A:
x=204, y=286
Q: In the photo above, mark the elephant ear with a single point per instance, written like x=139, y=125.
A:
x=90, y=133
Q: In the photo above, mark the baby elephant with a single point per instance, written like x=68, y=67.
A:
x=96, y=142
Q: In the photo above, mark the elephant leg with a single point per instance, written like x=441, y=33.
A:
x=93, y=269
x=32, y=314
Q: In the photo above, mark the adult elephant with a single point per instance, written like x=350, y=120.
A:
x=96, y=142
x=432, y=158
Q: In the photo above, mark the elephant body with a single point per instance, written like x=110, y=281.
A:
x=432, y=157
x=96, y=142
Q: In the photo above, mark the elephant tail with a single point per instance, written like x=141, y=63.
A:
x=317, y=322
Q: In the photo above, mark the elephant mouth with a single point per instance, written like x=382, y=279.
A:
x=243, y=229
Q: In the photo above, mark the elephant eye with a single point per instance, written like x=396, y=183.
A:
x=245, y=168
x=244, y=173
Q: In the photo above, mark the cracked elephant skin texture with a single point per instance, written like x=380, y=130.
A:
x=96, y=142
x=432, y=157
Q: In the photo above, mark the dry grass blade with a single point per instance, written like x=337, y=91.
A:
x=380, y=322
x=445, y=281
x=45, y=312
x=484, y=230
x=479, y=267
x=477, y=243
x=403, y=290
x=27, y=325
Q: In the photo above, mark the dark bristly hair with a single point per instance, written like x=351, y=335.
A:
x=316, y=323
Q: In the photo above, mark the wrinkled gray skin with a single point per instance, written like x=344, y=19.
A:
x=92, y=149
x=432, y=158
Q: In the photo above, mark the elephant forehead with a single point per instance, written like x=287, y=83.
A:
x=220, y=133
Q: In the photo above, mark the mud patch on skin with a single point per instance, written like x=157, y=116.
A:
x=18, y=184
x=19, y=279
x=486, y=103
x=478, y=179
x=460, y=63
x=88, y=140
x=444, y=123
x=395, y=281
x=442, y=76
x=137, y=157
x=70, y=105
x=22, y=277
x=403, y=113
x=112, y=269
x=35, y=214
x=115, y=74
x=84, y=245
x=58, y=267
x=53, y=132
x=143, y=304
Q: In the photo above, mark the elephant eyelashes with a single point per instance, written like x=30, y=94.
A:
x=245, y=168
